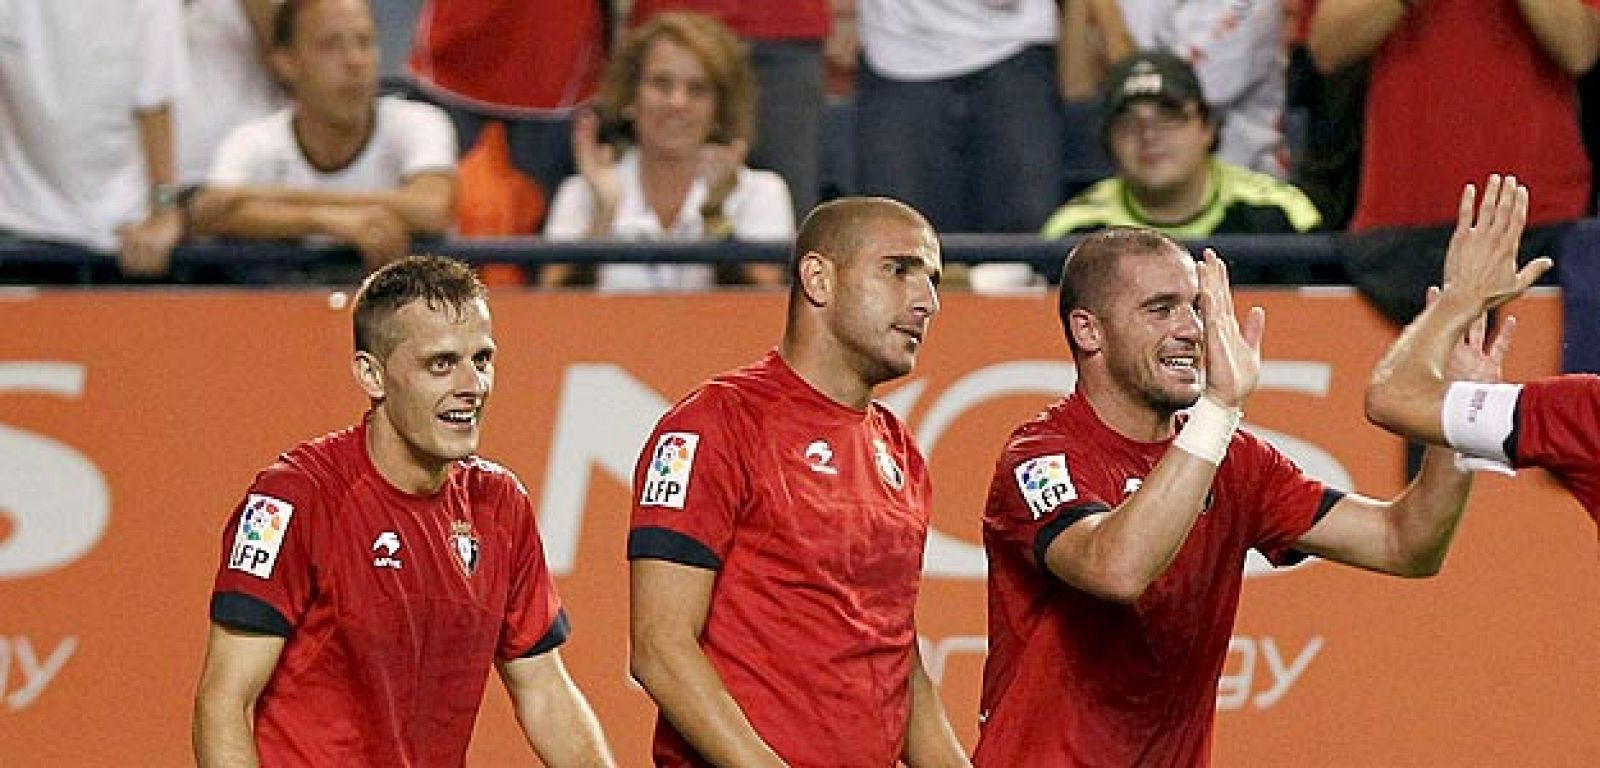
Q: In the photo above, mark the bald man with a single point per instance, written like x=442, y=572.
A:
x=779, y=517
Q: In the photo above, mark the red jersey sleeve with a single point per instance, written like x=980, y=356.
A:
x=1558, y=424
x=1034, y=496
x=264, y=582
x=1284, y=501
x=535, y=621
x=688, y=484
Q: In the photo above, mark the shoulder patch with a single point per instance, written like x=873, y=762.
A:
x=1045, y=483
x=262, y=526
x=666, y=480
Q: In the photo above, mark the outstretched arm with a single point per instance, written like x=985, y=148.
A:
x=1407, y=389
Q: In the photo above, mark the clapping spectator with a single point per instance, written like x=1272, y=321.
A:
x=663, y=156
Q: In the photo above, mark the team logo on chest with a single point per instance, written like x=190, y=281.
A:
x=464, y=543
x=387, y=550
x=888, y=468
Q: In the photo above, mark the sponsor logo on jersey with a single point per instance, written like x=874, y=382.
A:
x=887, y=467
x=464, y=543
x=666, y=480
x=387, y=545
x=818, y=456
x=262, y=525
x=1045, y=483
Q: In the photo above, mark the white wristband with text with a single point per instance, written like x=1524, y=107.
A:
x=1208, y=431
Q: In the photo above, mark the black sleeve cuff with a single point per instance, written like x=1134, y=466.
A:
x=670, y=545
x=1510, y=445
x=1330, y=497
x=251, y=614
x=553, y=637
x=1064, y=518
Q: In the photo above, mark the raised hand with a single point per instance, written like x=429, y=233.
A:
x=596, y=161
x=1482, y=258
x=1479, y=355
x=719, y=167
x=1233, y=352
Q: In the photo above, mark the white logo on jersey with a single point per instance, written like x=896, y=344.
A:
x=886, y=465
x=819, y=453
x=1045, y=483
x=666, y=480
x=389, y=542
x=262, y=525
x=1131, y=485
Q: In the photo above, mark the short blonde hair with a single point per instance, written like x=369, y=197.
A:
x=722, y=54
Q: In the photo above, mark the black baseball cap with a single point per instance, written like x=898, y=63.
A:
x=1151, y=75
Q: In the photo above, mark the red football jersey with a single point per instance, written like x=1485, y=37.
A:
x=814, y=517
x=394, y=606
x=517, y=58
x=1073, y=680
x=1558, y=429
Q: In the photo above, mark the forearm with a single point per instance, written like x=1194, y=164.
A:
x=1345, y=31
x=930, y=741
x=257, y=218
x=561, y=727
x=425, y=212
x=222, y=735
x=692, y=697
x=1118, y=554
x=1408, y=385
x=1093, y=35
x=155, y=142
x=1424, y=517
x=1568, y=30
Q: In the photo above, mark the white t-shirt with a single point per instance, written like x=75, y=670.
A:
x=228, y=85
x=932, y=39
x=758, y=207
x=1236, y=48
x=409, y=138
x=73, y=73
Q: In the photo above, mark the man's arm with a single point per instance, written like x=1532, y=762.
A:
x=1568, y=30
x=237, y=667
x=1093, y=36
x=668, y=612
x=553, y=713
x=1407, y=536
x=422, y=205
x=147, y=244
x=1343, y=32
x=1117, y=554
x=1407, y=390
x=930, y=741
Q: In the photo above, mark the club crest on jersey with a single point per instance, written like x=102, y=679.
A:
x=464, y=543
x=387, y=549
x=262, y=525
x=1045, y=483
x=666, y=480
x=888, y=468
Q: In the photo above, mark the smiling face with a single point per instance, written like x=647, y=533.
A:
x=1150, y=331
x=430, y=389
x=675, y=103
x=886, y=297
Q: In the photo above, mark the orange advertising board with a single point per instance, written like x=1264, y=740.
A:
x=131, y=422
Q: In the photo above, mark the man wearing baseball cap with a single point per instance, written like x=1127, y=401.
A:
x=1160, y=135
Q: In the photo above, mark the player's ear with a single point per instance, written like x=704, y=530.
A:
x=1085, y=330
x=283, y=64
x=816, y=275
x=369, y=374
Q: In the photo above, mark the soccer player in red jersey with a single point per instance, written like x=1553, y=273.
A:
x=778, y=525
x=371, y=577
x=1552, y=422
x=1117, y=527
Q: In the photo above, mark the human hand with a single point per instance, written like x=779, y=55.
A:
x=719, y=167
x=147, y=245
x=1481, y=261
x=596, y=160
x=1233, y=352
x=1478, y=356
x=377, y=232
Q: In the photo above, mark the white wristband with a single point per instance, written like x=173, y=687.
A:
x=1208, y=431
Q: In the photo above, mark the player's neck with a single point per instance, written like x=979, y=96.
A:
x=823, y=372
x=398, y=464
x=1128, y=415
